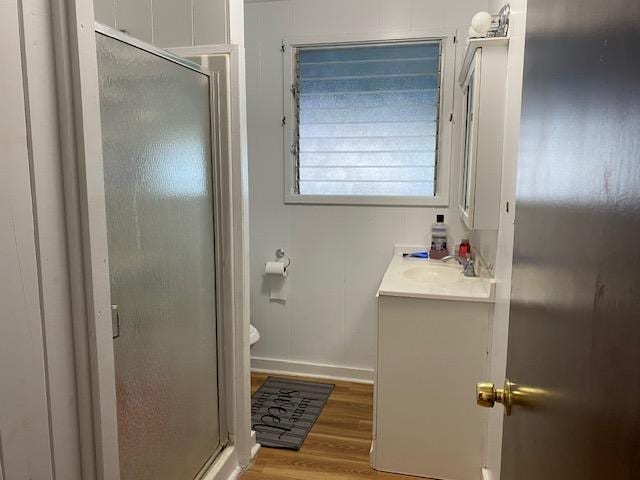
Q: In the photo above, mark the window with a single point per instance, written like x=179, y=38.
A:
x=366, y=123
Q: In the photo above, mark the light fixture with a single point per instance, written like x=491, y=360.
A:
x=480, y=23
x=483, y=24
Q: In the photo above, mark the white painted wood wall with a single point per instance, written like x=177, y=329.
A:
x=168, y=23
x=39, y=427
x=339, y=253
x=26, y=450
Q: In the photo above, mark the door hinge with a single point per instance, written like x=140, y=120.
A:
x=282, y=48
x=284, y=121
x=294, y=90
x=455, y=39
x=451, y=117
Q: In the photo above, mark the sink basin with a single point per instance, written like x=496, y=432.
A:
x=438, y=274
x=417, y=278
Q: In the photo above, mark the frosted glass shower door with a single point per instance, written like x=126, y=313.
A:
x=156, y=127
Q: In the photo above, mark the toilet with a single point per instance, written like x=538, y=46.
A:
x=254, y=335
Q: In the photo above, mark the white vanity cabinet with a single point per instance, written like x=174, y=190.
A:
x=432, y=344
x=432, y=349
x=483, y=82
x=431, y=354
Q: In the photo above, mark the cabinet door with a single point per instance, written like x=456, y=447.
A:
x=471, y=94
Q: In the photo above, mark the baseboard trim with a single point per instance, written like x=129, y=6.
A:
x=316, y=370
x=225, y=467
x=255, y=446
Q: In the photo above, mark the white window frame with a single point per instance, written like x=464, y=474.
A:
x=290, y=45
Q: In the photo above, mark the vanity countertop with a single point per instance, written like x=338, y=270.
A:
x=419, y=278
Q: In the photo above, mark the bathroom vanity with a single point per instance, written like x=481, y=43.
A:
x=433, y=337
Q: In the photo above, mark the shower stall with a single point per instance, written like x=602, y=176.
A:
x=159, y=134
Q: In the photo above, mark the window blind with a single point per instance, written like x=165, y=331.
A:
x=368, y=119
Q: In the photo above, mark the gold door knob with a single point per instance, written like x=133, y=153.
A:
x=487, y=395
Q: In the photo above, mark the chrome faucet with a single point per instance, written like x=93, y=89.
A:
x=468, y=264
x=469, y=269
x=457, y=258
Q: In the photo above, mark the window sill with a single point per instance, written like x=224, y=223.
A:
x=437, y=201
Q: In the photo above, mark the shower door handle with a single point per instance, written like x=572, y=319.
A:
x=115, y=322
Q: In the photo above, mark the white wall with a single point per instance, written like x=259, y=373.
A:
x=24, y=424
x=167, y=23
x=339, y=253
x=39, y=428
x=496, y=5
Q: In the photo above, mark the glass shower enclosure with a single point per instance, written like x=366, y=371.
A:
x=160, y=188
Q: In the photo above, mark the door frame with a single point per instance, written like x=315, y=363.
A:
x=82, y=177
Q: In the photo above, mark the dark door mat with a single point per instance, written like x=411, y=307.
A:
x=283, y=411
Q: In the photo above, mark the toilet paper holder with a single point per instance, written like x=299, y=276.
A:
x=280, y=254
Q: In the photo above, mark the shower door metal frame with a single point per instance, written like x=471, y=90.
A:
x=234, y=243
x=214, y=120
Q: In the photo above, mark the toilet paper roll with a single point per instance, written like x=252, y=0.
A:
x=275, y=268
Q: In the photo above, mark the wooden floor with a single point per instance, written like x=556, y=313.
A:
x=337, y=447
